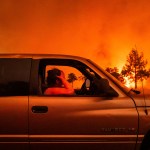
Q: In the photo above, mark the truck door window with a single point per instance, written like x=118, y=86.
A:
x=14, y=76
x=86, y=82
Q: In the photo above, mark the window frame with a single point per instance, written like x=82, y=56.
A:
x=63, y=62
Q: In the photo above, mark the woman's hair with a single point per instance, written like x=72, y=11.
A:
x=52, y=76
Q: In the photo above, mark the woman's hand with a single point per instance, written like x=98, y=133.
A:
x=62, y=75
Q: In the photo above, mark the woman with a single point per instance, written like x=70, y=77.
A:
x=57, y=84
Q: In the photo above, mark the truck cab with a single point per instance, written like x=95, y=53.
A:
x=102, y=114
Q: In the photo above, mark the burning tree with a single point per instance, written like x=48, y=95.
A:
x=115, y=72
x=135, y=67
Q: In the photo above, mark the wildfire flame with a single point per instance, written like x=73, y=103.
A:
x=127, y=82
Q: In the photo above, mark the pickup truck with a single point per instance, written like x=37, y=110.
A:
x=103, y=114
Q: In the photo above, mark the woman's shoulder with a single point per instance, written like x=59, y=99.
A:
x=53, y=90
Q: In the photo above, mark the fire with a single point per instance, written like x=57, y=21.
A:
x=130, y=84
x=127, y=82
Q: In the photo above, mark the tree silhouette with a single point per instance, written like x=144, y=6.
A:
x=135, y=67
x=115, y=72
x=71, y=78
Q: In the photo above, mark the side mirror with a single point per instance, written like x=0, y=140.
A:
x=135, y=91
x=103, y=88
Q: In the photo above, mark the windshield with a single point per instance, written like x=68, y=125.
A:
x=111, y=77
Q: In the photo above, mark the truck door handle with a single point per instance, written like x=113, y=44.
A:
x=39, y=109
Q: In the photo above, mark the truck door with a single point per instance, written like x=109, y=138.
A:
x=81, y=121
x=14, y=90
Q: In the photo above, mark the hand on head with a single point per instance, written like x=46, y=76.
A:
x=60, y=84
x=61, y=76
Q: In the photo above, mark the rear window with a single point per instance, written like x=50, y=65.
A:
x=14, y=76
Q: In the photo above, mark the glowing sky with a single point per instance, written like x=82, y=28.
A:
x=102, y=30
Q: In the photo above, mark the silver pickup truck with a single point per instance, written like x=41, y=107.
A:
x=101, y=115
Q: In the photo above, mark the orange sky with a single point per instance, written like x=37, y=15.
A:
x=102, y=30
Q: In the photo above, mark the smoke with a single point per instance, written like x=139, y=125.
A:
x=104, y=31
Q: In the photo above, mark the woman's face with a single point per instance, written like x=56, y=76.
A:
x=58, y=81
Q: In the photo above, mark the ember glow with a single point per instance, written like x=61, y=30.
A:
x=128, y=83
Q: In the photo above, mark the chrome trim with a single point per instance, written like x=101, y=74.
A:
x=121, y=142
x=84, y=138
x=13, y=138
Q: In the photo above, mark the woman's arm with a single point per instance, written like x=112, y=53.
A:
x=67, y=87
